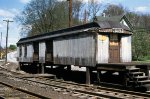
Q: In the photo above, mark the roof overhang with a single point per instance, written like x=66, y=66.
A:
x=116, y=30
x=101, y=26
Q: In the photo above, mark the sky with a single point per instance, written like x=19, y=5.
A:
x=10, y=8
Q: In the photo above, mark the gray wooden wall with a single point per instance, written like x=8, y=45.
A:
x=42, y=50
x=102, y=48
x=29, y=56
x=76, y=50
x=22, y=56
x=80, y=50
x=30, y=51
x=125, y=50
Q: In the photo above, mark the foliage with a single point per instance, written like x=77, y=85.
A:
x=93, y=8
x=42, y=16
x=12, y=47
x=114, y=10
x=140, y=44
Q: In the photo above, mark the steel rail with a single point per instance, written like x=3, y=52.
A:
x=132, y=93
x=105, y=89
x=23, y=90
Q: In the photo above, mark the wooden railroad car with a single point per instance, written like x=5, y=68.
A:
x=100, y=45
x=83, y=45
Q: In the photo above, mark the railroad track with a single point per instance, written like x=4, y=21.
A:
x=61, y=81
x=8, y=90
x=95, y=91
x=80, y=90
x=12, y=93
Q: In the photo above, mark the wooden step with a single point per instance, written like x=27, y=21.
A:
x=144, y=82
x=148, y=92
x=128, y=67
x=133, y=69
x=136, y=73
x=139, y=78
x=147, y=86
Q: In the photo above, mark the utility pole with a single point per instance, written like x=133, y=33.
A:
x=7, y=21
x=70, y=12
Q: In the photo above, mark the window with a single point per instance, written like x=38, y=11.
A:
x=114, y=40
x=36, y=47
x=20, y=51
x=49, y=46
x=25, y=51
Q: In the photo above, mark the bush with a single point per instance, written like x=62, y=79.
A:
x=12, y=47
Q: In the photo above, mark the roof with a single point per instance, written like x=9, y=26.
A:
x=115, y=19
x=112, y=24
x=75, y=30
x=112, y=18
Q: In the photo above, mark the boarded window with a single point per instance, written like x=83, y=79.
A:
x=36, y=47
x=114, y=40
x=49, y=46
x=25, y=52
x=49, y=50
x=20, y=51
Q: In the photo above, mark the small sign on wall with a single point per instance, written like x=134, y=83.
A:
x=117, y=30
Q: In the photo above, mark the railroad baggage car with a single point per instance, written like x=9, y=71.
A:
x=84, y=45
x=103, y=45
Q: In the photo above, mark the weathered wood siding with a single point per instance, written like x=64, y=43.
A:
x=19, y=53
x=22, y=56
x=124, y=22
x=76, y=50
x=49, y=51
x=36, y=51
x=29, y=53
x=126, y=54
x=42, y=50
x=102, y=48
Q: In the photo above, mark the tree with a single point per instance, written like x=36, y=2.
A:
x=42, y=16
x=12, y=47
x=140, y=37
x=93, y=9
x=77, y=11
x=114, y=10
